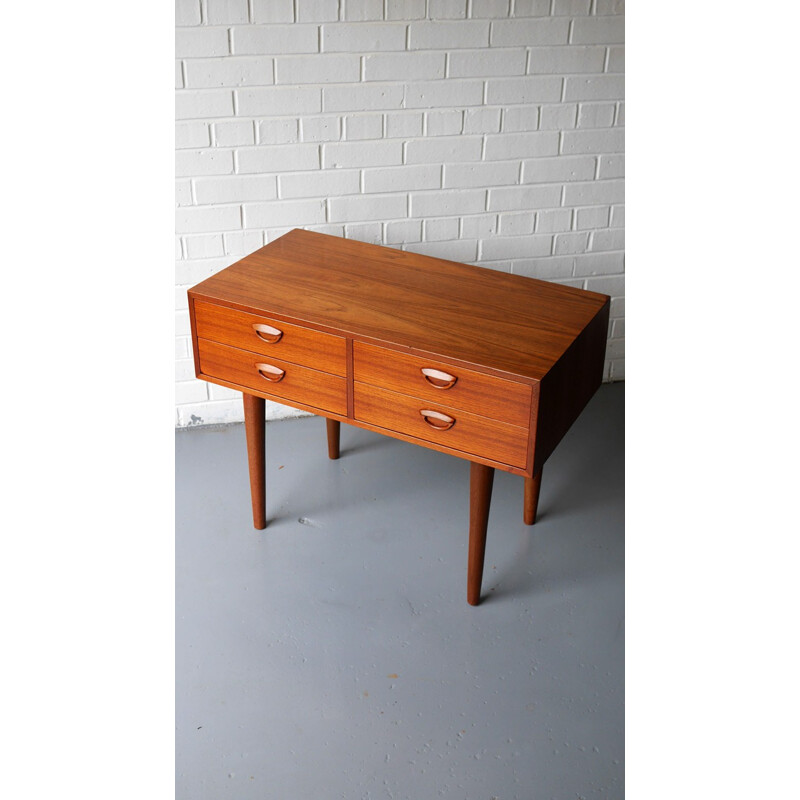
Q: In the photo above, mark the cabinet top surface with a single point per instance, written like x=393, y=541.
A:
x=493, y=319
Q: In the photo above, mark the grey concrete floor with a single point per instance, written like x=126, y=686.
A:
x=334, y=655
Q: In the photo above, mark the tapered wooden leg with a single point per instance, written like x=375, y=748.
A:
x=254, y=430
x=333, y=426
x=532, y=497
x=481, y=478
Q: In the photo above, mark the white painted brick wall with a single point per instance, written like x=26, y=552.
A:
x=484, y=131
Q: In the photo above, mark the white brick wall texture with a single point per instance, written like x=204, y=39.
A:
x=483, y=131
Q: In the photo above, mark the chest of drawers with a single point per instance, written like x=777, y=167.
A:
x=483, y=365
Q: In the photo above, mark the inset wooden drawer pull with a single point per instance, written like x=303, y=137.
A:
x=437, y=420
x=437, y=378
x=267, y=332
x=269, y=372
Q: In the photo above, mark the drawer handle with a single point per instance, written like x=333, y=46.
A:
x=267, y=332
x=438, y=379
x=437, y=420
x=271, y=373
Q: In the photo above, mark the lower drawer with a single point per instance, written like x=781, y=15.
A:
x=280, y=379
x=447, y=427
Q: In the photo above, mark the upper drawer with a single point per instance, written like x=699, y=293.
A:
x=456, y=387
x=271, y=337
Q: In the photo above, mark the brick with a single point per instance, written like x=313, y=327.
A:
x=596, y=141
x=520, y=145
x=278, y=101
x=235, y=189
x=278, y=158
x=447, y=9
x=516, y=247
x=183, y=193
x=187, y=12
x=614, y=286
x=294, y=213
x=444, y=123
x=489, y=9
x=261, y=39
x=438, y=230
x=273, y=11
x=611, y=166
x=598, y=87
x=616, y=59
x=611, y=239
x=617, y=217
x=404, y=231
x=178, y=248
x=208, y=245
x=193, y=391
x=520, y=118
x=201, y=42
x=403, y=66
x=516, y=198
x=481, y=120
x=320, y=129
x=318, y=68
x=205, y=73
x=240, y=243
x=571, y=8
x=230, y=134
x=179, y=75
x=328, y=230
x=320, y=183
x=564, y=59
x=510, y=91
x=558, y=118
x=615, y=348
x=618, y=329
x=277, y=131
x=367, y=37
x=479, y=226
x=363, y=10
x=203, y=104
x=546, y=269
x=594, y=194
x=617, y=372
x=403, y=179
x=438, y=204
x=599, y=264
x=441, y=94
x=403, y=125
x=203, y=162
x=203, y=220
x=559, y=169
x=517, y=224
x=553, y=220
x=370, y=232
x=593, y=217
x=598, y=30
x=596, y=115
x=444, y=149
x=531, y=8
x=457, y=176
x=603, y=7
x=362, y=97
x=483, y=63
x=529, y=32
x=317, y=10
x=363, y=209
x=362, y=154
x=620, y=119
x=461, y=251
x=192, y=134
x=226, y=12
x=405, y=9
x=188, y=273
x=447, y=35
x=363, y=126
x=570, y=243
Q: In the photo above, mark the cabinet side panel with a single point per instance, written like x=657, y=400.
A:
x=569, y=385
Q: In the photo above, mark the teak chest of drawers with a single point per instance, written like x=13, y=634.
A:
x=480, y=364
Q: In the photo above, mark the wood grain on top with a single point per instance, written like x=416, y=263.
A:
x=509, y=323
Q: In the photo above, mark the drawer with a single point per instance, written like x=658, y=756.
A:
x=469, y=433
x=291, y=382
x=271, y=337
x=431, y=380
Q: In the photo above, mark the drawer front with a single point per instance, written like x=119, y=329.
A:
x=436, y=382
x=291, y=382
x=271, y=338
x=469, y=433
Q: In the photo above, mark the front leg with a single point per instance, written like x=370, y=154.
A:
x=481, y=479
